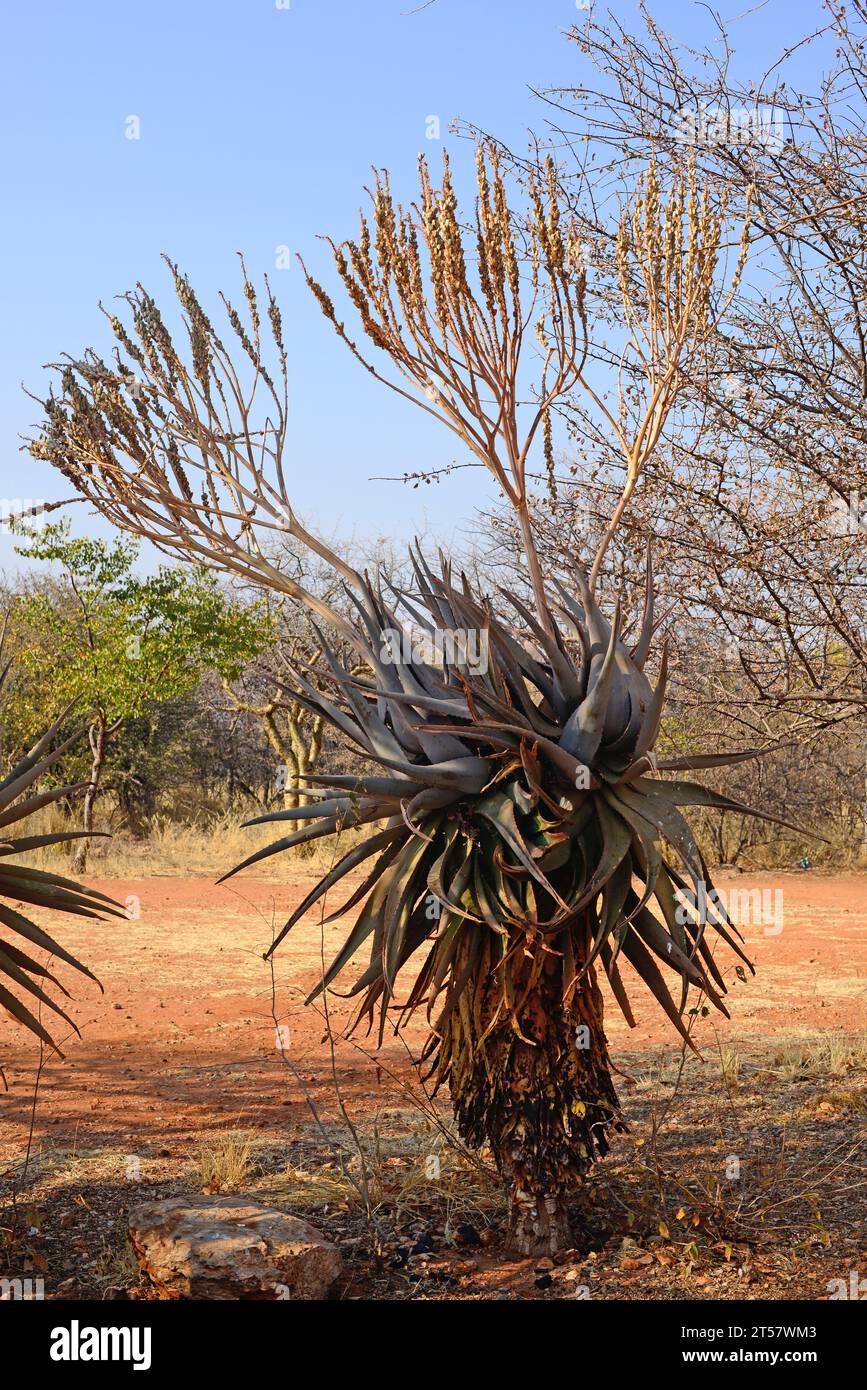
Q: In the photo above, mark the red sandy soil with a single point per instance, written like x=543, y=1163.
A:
x=182, y=1042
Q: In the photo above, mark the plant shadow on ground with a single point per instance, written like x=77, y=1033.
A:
x=741, y=1177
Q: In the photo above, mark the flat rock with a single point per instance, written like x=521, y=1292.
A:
x=231, y=1248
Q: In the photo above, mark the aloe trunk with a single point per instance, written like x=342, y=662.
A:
x=534, y=1086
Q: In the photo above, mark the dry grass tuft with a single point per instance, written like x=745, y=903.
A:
x=406, y=1164
x=730, y=1067
x=832, y=1054
x=224, y=1163
x=116, y=1268
x=185, y=851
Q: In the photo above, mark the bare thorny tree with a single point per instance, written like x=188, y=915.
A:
x=758, y=500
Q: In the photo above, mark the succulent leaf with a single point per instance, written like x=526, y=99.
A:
x=526, y=819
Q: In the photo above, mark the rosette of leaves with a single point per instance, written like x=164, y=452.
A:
x=526, y=835
x=25, y=981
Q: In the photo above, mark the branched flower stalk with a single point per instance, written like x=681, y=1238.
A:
x=518, y=830
x=188, y=453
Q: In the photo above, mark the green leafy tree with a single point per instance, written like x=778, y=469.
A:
x=114, y=643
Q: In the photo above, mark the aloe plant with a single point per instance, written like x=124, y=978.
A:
x=24, y=980
x=526, y=836
x=526, y=841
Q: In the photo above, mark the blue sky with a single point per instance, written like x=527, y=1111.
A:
x=258, y=127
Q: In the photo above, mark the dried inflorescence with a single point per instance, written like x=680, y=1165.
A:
x=450, y=304
x=186, y=448
x=179, y=448
x=671, y=245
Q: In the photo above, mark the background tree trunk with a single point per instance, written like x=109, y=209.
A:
x=295, y=737
x=98, y=737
